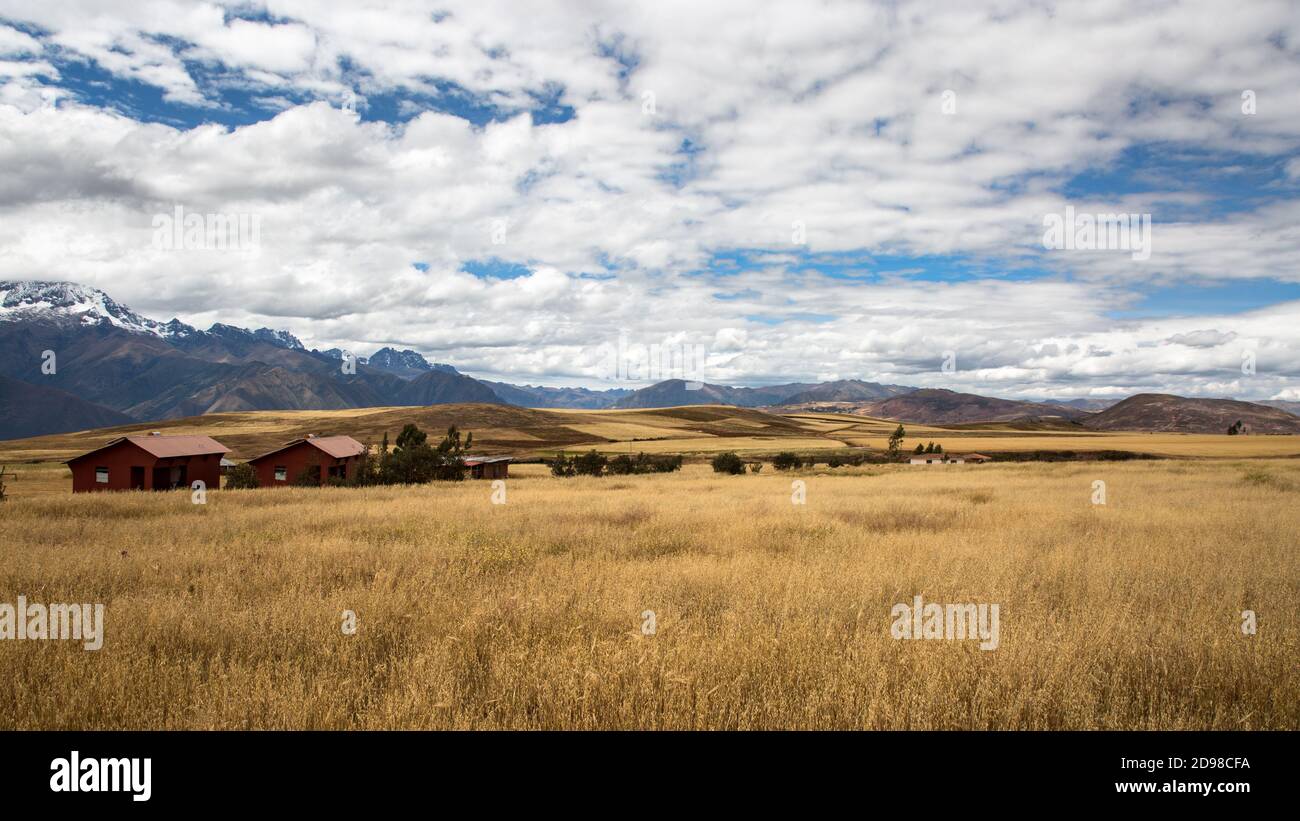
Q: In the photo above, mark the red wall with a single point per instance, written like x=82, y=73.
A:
x=296, y=459
x=490, y=470
x=120, y=458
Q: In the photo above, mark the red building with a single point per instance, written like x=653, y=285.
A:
x=153, y=462
x=488, y=467
x=326, y=457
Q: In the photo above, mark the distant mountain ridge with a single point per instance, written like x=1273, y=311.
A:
x=115, y=366
x=847, y=390
x=675, y=392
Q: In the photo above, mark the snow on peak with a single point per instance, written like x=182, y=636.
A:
x=68, y=301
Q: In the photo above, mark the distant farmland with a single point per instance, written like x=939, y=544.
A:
x=693, y=431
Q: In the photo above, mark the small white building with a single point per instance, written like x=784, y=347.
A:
x=935, y=459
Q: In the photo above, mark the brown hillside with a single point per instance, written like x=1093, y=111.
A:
x=1165, y=412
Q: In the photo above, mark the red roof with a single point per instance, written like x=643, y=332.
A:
x=336, y=447
x=165, y=447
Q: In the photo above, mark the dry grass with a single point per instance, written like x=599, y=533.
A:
x=528, y=615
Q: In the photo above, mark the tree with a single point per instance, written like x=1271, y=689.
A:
x=590, y=463
x=920, y=448
x=369, y=469
x=414, y=461
x=728, y=463
x=896, y=440
x=411, y=437
x=621, y=465
x=663, y=463
x=938, y=448
x=562, y=466
x=242, y=477
x=786, y=461
x=449, y=457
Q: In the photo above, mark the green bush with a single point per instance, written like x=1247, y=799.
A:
x=242, y=477
x=728, y=463
x=590, y=463
x=786, y=461
x=562, y=466
x=621, y=465
x=624, y=464
x=664, y=463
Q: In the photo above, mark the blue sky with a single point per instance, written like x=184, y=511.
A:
x=733, y=179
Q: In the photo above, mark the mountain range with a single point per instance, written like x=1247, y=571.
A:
x=72, y=358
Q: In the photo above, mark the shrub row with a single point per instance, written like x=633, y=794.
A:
x=592, y=463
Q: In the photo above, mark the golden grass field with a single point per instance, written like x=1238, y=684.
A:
x=769, y=615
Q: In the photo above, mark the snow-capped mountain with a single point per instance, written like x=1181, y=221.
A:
x=280, y=339
x=111, y=365
x=70, y=302
x=407, y=363
x=393, y=359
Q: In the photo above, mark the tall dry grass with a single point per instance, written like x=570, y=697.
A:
x=769, y=615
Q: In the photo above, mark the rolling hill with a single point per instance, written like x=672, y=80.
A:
x=1165, y=412
x=939, y=406
x=33, y=410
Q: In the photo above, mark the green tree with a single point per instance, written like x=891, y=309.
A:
x=242, y=477
x=896, y=440
x=411, y=437
x=729, y=463
x=562, y=466
x=786, y=460
x=920, y=448
x=590, y=463
x=369, y=469
x=449, y=457
x=622, y=465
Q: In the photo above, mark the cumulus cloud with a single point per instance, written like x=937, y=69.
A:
x=1209, y=338
x=698, y=132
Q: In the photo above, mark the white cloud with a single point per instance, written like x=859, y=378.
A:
x=825, y=120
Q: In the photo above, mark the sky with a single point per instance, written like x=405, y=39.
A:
x=791, y=191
